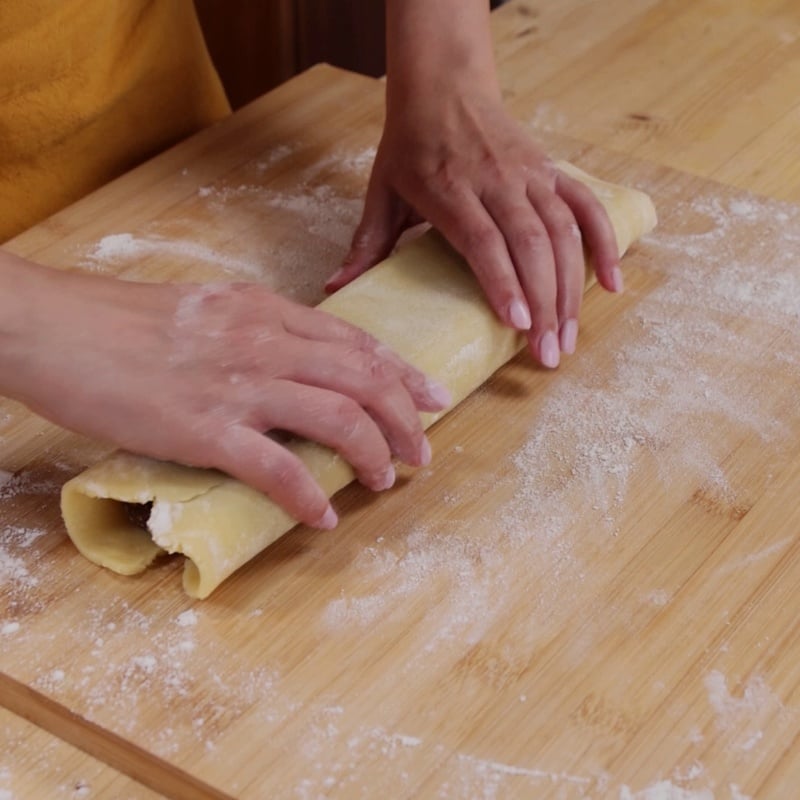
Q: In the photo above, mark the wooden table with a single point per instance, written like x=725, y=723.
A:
x=35, y=764
x=591, y=591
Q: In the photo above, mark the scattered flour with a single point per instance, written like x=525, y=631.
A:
x=665, y=790
x=756, y=700
x=658, y=597
x=690, y=358
x=346, y=161
x=548, y=118
x=685, y=368
x=28, y=483
x=14, y=571
x=754, y=558
x=275, y=156
x=134, y=658
x=21, y=537
x=482, y=766
x=728, y=707
x=124, y=248
x=187, y=619
x=304, y=228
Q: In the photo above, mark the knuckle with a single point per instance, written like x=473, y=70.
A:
x=531, y=237
x=349, y=418
x=212, y=437
x=363, y=341
x=562, y=224
x=441, y=174
x=381, y=372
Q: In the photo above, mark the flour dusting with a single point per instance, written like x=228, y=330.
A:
x=125, y=248
x=290, y=235
x=755, y=699
x=666, y=790
x=690, y=367
x=691, y=362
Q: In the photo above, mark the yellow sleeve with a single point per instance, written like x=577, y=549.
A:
x=90, y=88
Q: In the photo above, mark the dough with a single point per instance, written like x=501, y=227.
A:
x=422, y=301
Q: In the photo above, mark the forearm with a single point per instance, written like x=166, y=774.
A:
x=452, y=155
x=24, y=288
x=435, y=46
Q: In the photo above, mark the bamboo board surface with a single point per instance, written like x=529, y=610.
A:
x=34, y=764
x=706, y=87
x=590, y=593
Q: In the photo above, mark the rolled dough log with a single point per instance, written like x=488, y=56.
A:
x=423, y=302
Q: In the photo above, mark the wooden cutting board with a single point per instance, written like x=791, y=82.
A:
x=704, y=86
x=588, y=594
x=36, y=764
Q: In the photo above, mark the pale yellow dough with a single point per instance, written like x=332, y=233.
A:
x=423, y=302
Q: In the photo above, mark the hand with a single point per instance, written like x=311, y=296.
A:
x=468, y=168
x=451, y=154
x=197, y=374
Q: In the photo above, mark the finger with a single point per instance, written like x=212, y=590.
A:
x=319, y=326
x=376, y=386
x=381, y=224
x=267, y=466
x=468, y=226
x=335, y=420
x=597, y=230
x=565, y=239
x=532, y=253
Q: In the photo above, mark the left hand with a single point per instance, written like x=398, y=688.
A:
x=462, y=163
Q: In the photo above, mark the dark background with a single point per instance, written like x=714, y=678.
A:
x=257, y=44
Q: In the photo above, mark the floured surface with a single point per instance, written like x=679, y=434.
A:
x=589, y=594
x=582, y=597
x=288, y=230
x=422, y=302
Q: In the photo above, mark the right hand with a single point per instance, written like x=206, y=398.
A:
x=198, y=374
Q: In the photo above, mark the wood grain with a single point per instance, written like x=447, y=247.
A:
x=496, y=621
x=591, y=591
x=35, y=764
x=702, y=87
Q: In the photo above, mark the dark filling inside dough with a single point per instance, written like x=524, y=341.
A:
x=138, y=513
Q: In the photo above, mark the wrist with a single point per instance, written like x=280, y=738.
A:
x=438, y=49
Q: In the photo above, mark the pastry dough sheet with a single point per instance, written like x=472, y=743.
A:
x=423, y=302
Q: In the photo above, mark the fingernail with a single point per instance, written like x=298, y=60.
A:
x=388, y=480
x=425, y=453
x=616, y=279
x=438, y=393
x=335, y=278
x=569, y=336
x=329, y=521
x=548, y=350
x=519, y=315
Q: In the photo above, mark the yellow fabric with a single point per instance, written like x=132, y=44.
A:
x=88, y=89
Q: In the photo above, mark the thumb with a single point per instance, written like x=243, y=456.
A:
x=381, y=224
